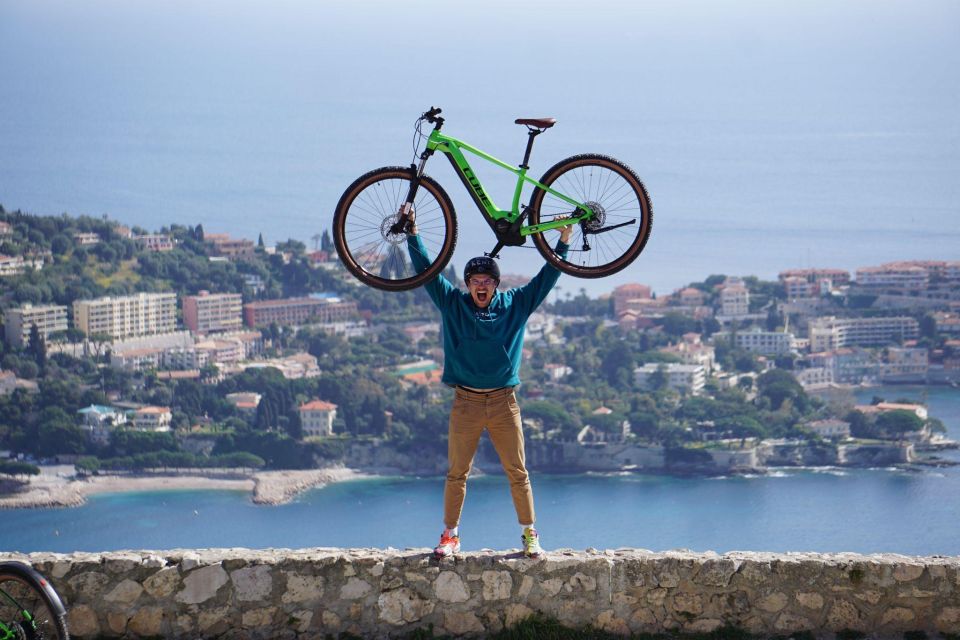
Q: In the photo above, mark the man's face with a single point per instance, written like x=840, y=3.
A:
x=482, y=287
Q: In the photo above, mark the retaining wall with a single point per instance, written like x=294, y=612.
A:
x=310, y=593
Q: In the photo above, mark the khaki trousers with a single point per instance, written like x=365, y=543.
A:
x=498, y=412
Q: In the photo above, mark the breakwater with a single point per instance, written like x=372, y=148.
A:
x=309, y=593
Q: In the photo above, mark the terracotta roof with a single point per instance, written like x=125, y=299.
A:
x=318, y=405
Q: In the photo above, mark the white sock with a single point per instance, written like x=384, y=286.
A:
x=524, y=527
x=455, y=531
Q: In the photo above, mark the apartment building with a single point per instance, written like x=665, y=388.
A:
x=894, y=276
x=208, y=313
x=18, y=322
x=623, y=294
x=222, y=245
x=316, y=418
x=768, y=343
x=6, y=230
x=734, y=298
x=141, y=314
x=904, y=365
x=683, y=378
x=298, y=311
x=829, y=333
x=837, y=277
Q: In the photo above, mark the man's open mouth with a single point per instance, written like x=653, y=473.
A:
x=481, y=296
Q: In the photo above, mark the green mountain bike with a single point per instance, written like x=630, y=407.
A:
x=30, y=609
x=602, y=196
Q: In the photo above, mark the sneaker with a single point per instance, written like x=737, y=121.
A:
x=531, y=543
x=449, y=545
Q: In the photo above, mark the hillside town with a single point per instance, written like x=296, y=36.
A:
x=128, y=349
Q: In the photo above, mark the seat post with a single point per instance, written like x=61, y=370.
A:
x=526, y=156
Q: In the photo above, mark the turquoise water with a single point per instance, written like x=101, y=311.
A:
x=861, y=510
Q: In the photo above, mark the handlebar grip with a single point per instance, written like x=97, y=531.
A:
x=433, y=113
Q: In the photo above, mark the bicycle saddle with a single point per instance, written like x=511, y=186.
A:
x=540, y=123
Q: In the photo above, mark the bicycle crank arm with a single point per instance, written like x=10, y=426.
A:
x=610, y=228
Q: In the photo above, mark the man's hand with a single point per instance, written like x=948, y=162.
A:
x=412, y=227
x=565, y=233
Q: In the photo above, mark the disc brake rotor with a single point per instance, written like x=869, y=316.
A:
x=392, y=238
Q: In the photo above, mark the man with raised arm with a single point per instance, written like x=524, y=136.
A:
x=483, y=331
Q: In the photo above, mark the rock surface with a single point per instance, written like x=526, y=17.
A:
x=310, y=593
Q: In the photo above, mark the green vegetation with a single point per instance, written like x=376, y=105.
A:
x=358, y=374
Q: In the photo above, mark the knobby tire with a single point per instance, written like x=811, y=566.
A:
x=361, y=224
x=592, y=178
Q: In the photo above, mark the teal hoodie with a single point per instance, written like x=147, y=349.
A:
x=482, y=347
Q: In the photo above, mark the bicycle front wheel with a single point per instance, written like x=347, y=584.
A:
x=620, y=227
x=370, y=207
x=26, y=609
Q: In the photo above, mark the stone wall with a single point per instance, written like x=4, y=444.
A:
x=309, y=593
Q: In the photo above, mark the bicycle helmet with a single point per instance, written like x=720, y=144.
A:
x=481, y=264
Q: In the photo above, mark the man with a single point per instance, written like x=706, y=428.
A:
x=483, y=333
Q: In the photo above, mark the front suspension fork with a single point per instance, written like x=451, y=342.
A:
x=404, y=223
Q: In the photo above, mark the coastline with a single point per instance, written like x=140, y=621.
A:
x=55, y=487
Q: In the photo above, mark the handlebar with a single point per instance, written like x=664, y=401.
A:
x=431, y=116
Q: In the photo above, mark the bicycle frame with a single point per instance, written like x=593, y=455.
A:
x=454, y=148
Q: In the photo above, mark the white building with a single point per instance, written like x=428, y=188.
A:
x=86, y=238
x=98, y=421
x=18, y=322
x=556, y=372
x=830, y=429
x=683, y=378
x=814, y=377
x=155, y=242
x=316, y=418
x=141, y=314
x=734, y=298
x=894, y=276
x=152, y=419
x=755, y=340
x=691, y=351
x=8, y=382
x=829, y=333
x=13, y=266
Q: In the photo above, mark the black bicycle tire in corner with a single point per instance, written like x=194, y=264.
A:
x=619, y=185
x=35, y=582
x=370, y=205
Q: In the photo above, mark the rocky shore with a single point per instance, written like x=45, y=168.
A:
x=59, y=487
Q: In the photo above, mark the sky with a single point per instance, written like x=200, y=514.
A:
x=769, y=120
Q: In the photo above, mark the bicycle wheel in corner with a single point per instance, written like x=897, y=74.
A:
x=623, y=218
x=362, y=221
x=29, y=607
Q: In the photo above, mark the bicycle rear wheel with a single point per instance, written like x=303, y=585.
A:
x=362, y=221
x=29, y=607
x=623, y=218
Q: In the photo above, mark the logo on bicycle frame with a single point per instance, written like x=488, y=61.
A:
x=475, y=184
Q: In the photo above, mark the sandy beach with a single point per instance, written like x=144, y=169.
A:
x=56, y=486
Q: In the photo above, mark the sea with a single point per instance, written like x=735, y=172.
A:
x=769, y=135
x=881, y=510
